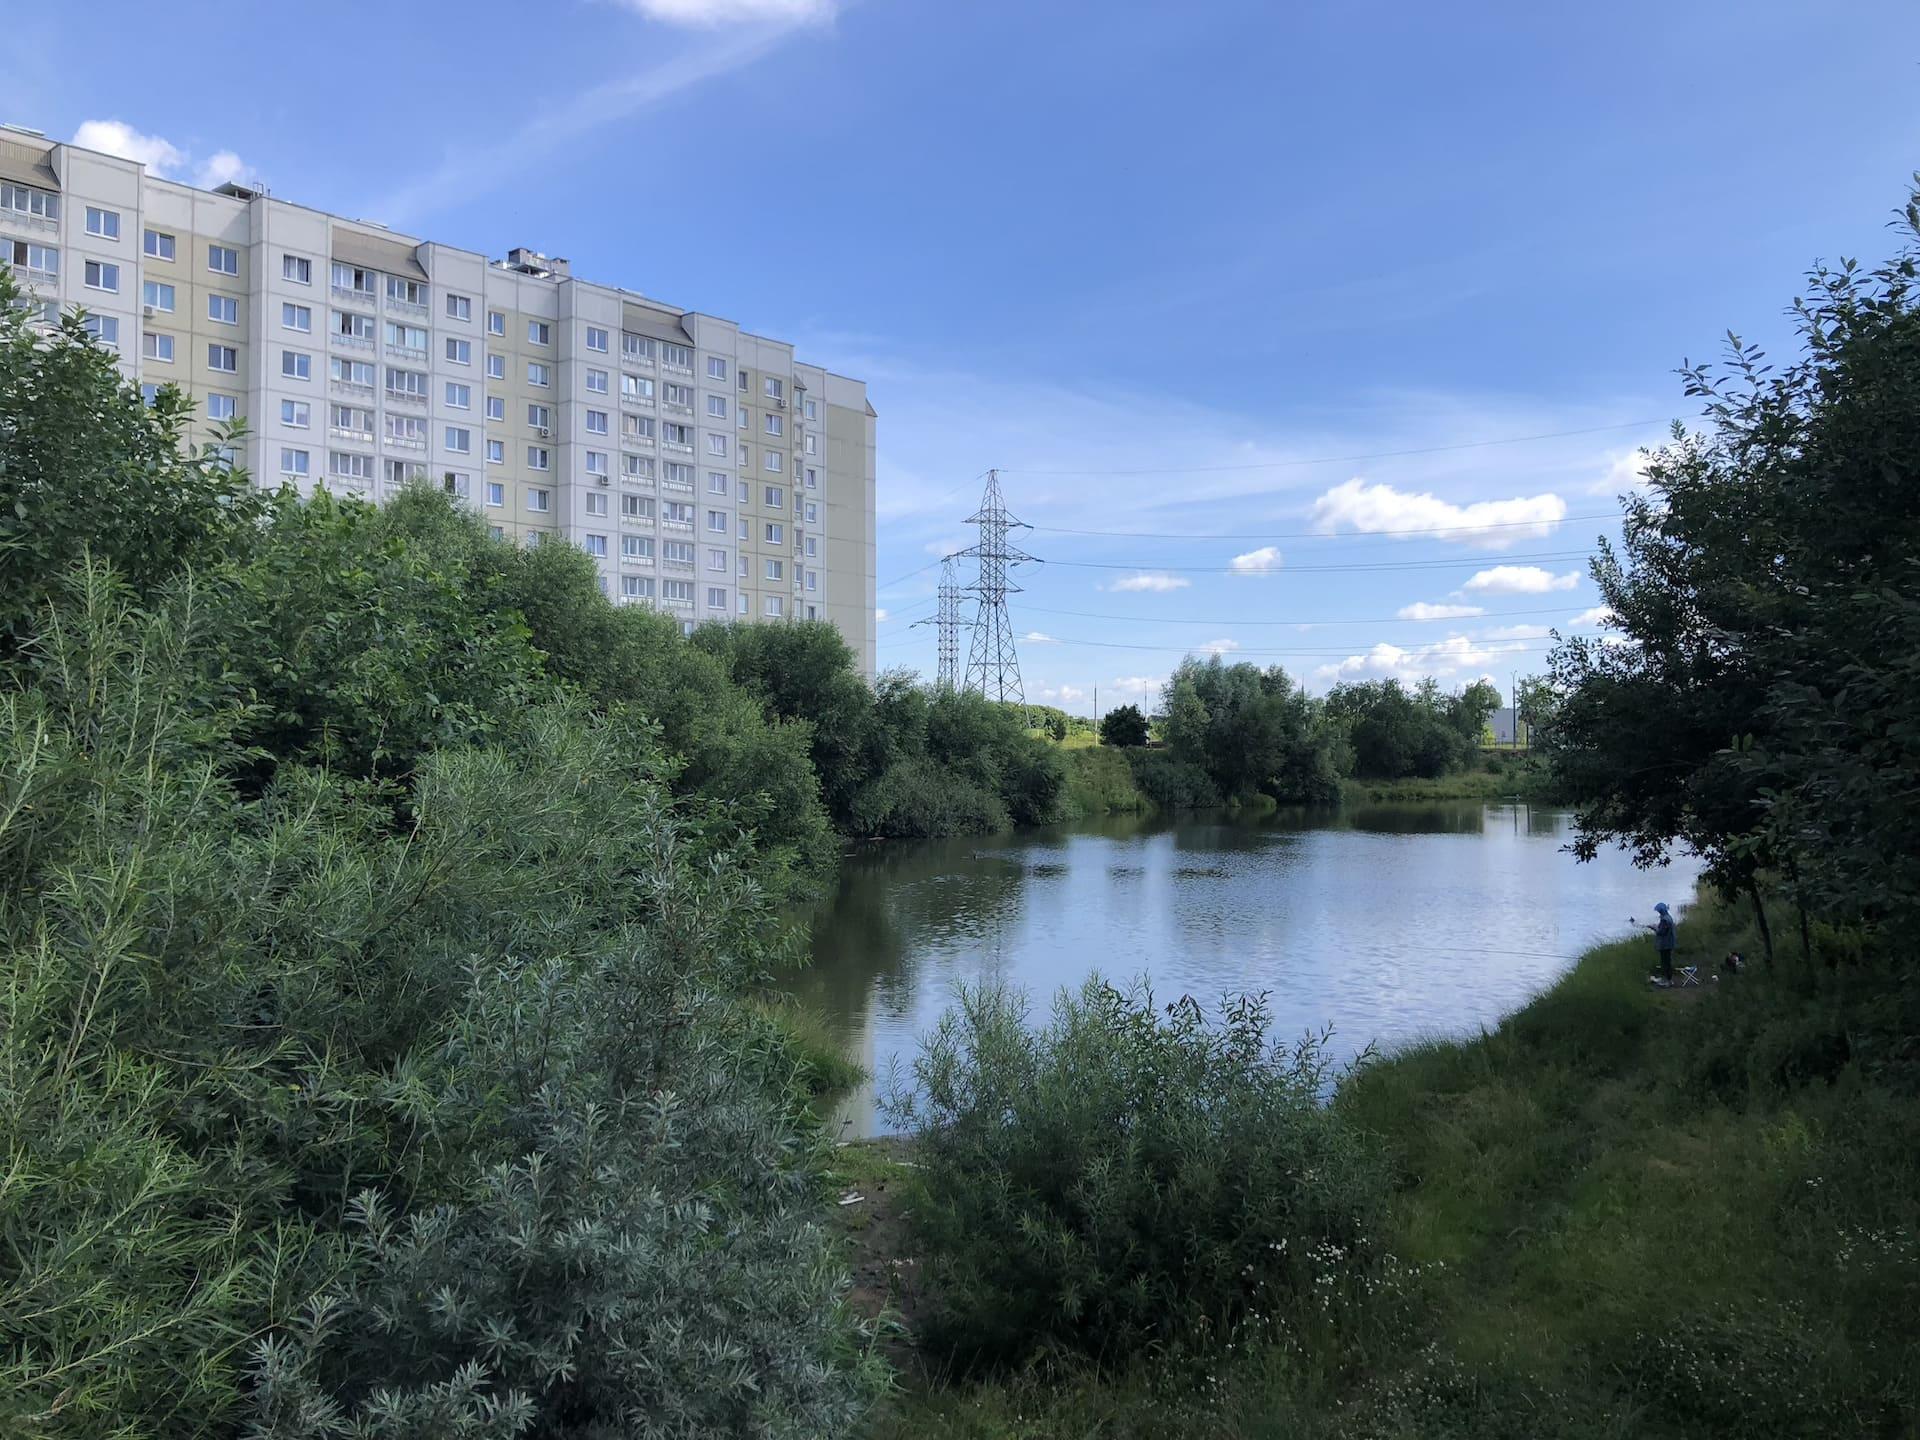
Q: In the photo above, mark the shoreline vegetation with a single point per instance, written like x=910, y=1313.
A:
x=1622, y=1212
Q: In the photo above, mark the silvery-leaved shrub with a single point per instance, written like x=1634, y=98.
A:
x=1128, y=1176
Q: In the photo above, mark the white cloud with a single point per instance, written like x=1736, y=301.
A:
x=161, y=156
x=1131, y=686
x=1038, y=637
x=880, y=614
x=1381, y=509
x=707, y=14
x=1625, y=473
x=222, y=168
x=1218, y=647
x=1598, y=615
x=1422, y=610
x=116, y=137
x=1451, y=658
x=1063, y=694
x=1520, y=580
x=1516, y=632
x=1156, y=581
x=1263, y=561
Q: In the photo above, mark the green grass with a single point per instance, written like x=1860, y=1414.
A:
x=1631, y=1212
x=821, y=1070
x=1100, y=782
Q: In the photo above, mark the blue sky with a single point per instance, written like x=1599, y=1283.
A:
x=1201, y=270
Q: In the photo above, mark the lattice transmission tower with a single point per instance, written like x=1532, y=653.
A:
x=993, y=666
x=947, y=624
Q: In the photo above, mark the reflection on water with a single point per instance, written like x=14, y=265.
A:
x=1385, y=921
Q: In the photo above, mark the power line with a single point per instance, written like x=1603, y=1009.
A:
x=1322, y=534
x=993, y=665
x=1413, y=652
x=1467, y=563
x=1351, y=459
x=1239, y=620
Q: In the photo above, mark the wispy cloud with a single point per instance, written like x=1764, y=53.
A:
x=1263, y=561
x=880, y=614
x=1155, y=582
x=1423, y=610
x=160, y=155
x=483, y=164
x=1598, y=615
x=1520, y=580
x=1383, y=510
x=708, y=14
x=1218, y=647
x=1454, y=657
x=1038, y=637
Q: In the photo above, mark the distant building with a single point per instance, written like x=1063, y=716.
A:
x=1502, y=723
x=708, y=472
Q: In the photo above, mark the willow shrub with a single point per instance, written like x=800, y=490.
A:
x=312, y=1125
x=1128, y=1177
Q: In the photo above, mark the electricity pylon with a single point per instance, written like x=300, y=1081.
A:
x=993, y=666
x=946, y=622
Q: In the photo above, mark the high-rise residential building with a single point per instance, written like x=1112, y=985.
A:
x=708, y=472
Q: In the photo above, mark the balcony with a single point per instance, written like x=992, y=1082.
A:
x=636, y=562
x=674, y=407
x=407, y=442
x=636, y=442
x=408, y=398
x=362, y=343
x=397, y=306
x=407, y=352
x=685, y=525
x=341, y=432
x=350, y=389
x=676, y=447
x=636, y=402
x=677, y=487
x=352, y=296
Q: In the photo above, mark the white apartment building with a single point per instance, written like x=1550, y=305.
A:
x=708, y=472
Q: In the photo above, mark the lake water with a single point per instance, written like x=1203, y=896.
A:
x=1386, y=922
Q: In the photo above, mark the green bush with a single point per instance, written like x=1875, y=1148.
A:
x=1100, y=782
x=1123, y=726
x=1127, y=1177
x=1171, y=783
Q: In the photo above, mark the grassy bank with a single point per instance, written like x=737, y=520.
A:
x=1625, y=1212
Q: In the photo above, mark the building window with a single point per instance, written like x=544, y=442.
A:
x=637, y=467
x=746, y=570
x=746, y=532
x=496, y=367
x=596, y=382
x=296, y=317
x=539, y=333
x=746, y=492
x=44, y=258
x=405, y=472
x=813, y=478
x=221, y=407
x=597, y=546
x=459, y=352
x=717, y=521
x=352, y=282
x=540, y=501
x=496, y=494
x=496, y=452
x=813, y=577
x=293, y=462
x=411, y=338
x=157, y=244
x=678, y=357
x=406, y=292
x=296, y=269
x=636, y=507
x=776, y=424
x=716, y=368
x=296, y=414
x=459, y=441
x=596, y=504
x=716, y=483
x=596, y=422
x=223, y=358
x=223, y=309
x=538, y=416
x=810, y=408
x=350, y=372
x=496, y=323
x=596, y=339
x=459, y=397
x=716, y=598
x=538, y=374
x=149, y=395
x=537, y=459
x=459, y=307
x=717, y=560
x=636, y=587
x=597, y=462
x=636, y=347
x=810, y=443
x=155, y=346
x=776, y=607
x=496, y=407
x=773, y=462
x=746, y=453
x=775, y=498
x=348, y=466
x=742, y=378
x=102, y=276
x=813, y=547
x=776, y=535
x=223, y=260
x=717, y=406
x=774, y=388
x=744, y=603
x=717, y=445
x=104, y=223
x=406, y=384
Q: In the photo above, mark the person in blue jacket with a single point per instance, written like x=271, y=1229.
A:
x=1663, y=937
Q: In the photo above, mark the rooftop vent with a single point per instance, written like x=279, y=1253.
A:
x=532, y=262
x=240, y=192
